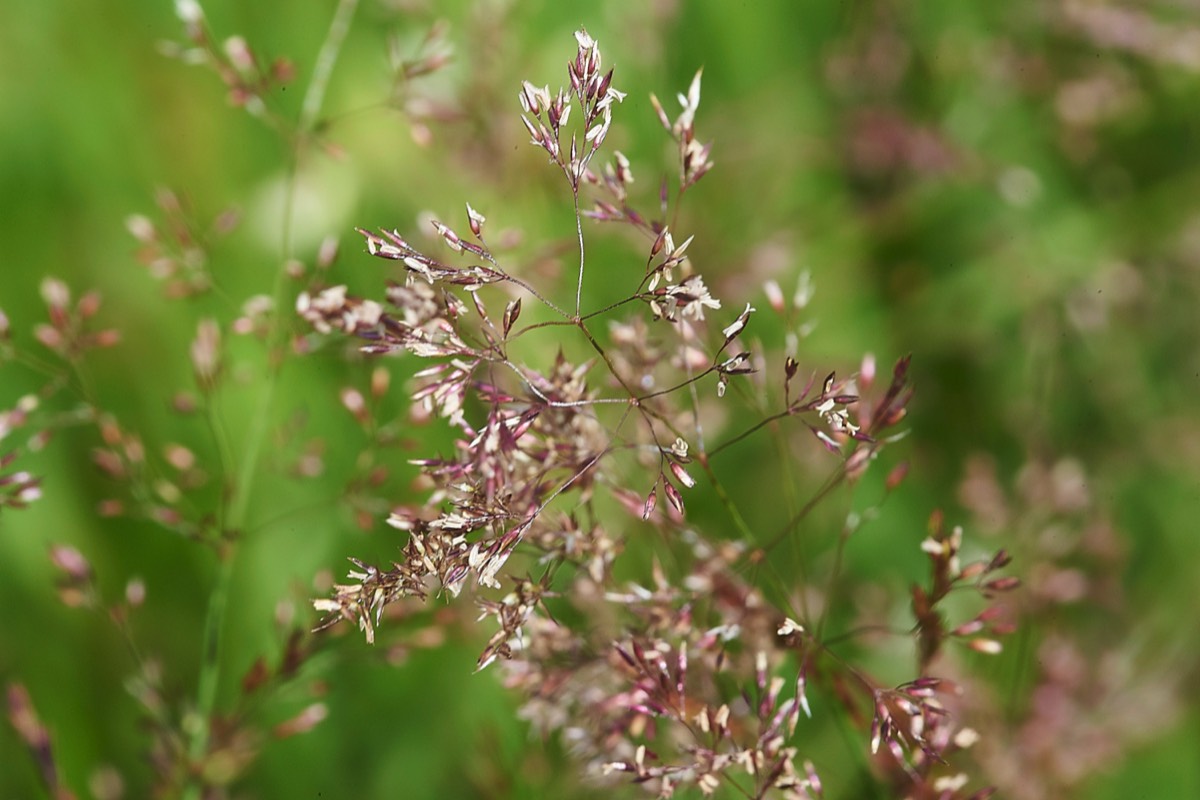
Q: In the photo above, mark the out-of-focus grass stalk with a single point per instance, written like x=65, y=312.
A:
x=238, y=499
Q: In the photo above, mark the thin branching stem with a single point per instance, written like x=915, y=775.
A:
x=610, y=307
x=751, y=430
x=690, y=381
x=621, y=380
x=541, y=298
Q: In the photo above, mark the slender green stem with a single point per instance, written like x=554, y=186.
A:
x=237, y=500
x=210, y=662
x=314, y=98
x=225, y=455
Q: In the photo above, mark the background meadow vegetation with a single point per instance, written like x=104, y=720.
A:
x=1010, y=192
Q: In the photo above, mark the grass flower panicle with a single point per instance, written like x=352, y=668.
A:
x=515, y=512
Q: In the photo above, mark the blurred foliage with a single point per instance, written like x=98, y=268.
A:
x=1006, y=190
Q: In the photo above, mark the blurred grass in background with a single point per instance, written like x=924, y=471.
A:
x=1011, y=192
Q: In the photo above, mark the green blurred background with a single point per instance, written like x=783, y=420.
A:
x=1008, y=191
